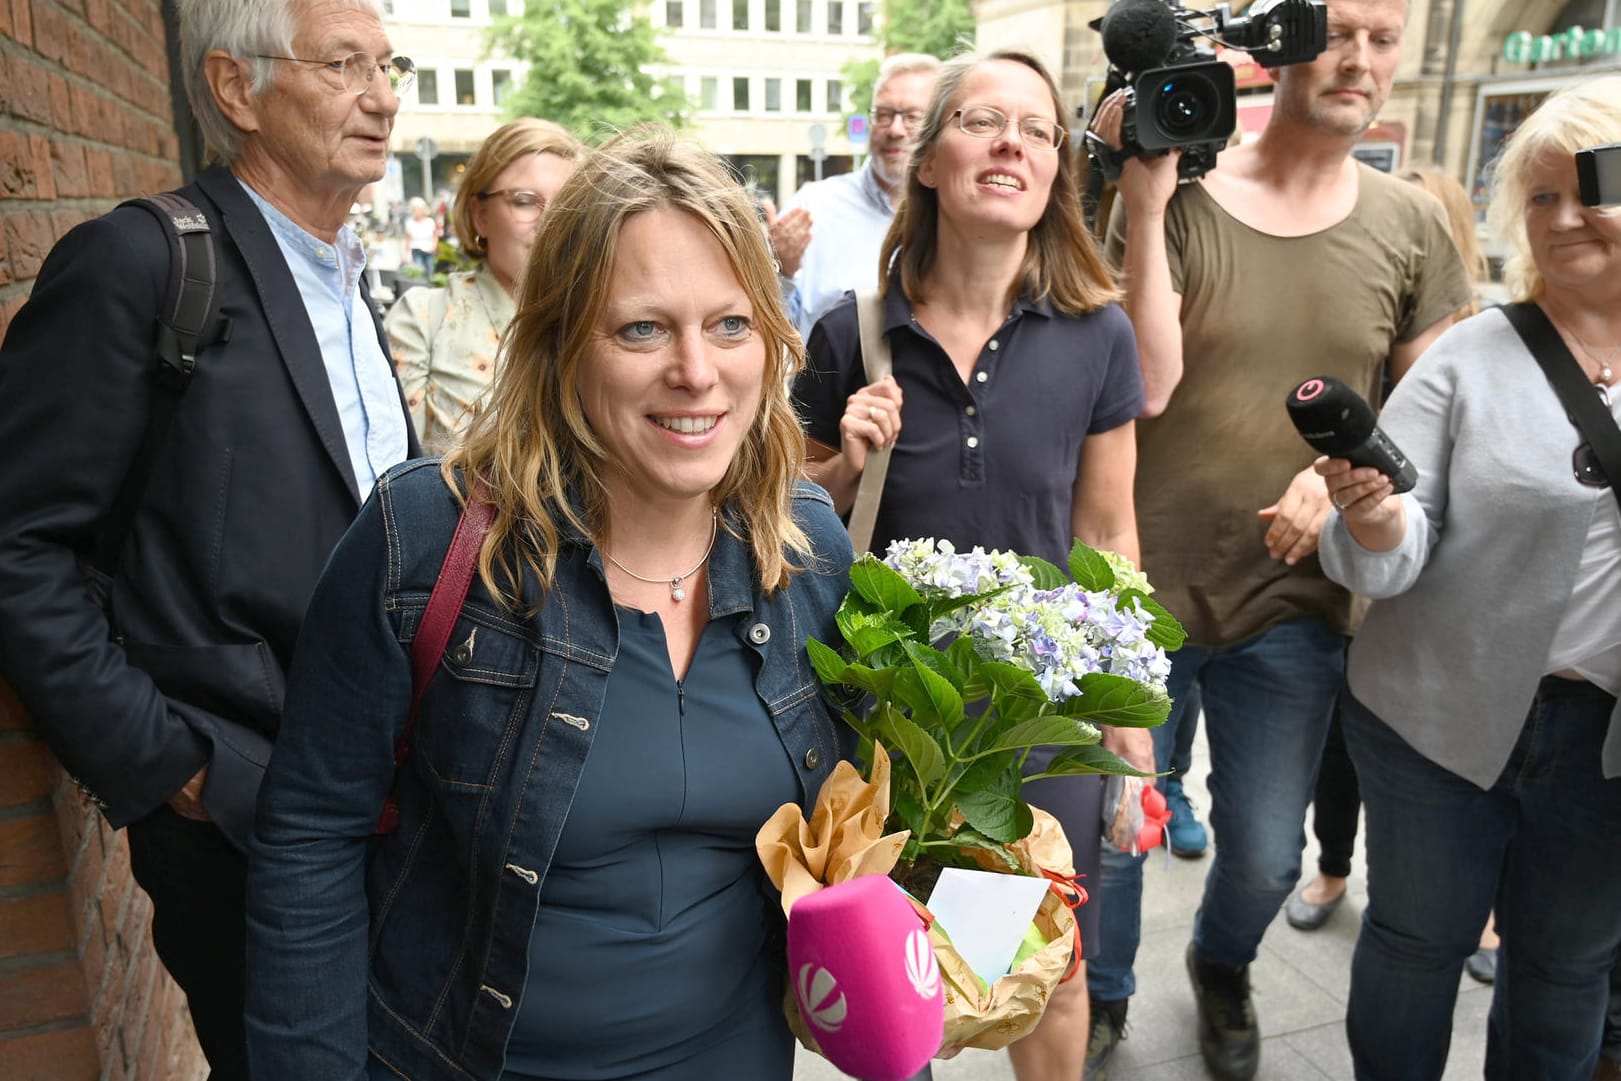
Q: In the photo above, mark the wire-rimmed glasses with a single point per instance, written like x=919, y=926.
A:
x=911, y=119
x=355, y=71
x=524, y=205
x=984, y=122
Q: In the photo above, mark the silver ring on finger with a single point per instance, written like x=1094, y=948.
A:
x=1334, y=499
x=872, y=412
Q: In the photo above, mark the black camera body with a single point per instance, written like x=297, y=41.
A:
x=1179, y=96
x=1598, y=174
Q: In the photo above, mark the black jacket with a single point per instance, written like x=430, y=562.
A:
x=250, y=492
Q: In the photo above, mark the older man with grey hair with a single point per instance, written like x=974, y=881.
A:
x=161, y=688
x=827, y=240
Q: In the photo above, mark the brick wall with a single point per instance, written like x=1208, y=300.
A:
x=85, y=121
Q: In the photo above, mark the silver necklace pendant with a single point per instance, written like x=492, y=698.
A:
x=676, y=592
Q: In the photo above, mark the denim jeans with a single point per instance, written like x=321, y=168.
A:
x=1267, y=703
x=1542, y=845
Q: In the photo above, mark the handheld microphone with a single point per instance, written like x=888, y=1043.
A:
x=1339, y=422
x=866, y=979
x=1138, y=34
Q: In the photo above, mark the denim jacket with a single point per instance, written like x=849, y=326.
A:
x=416, y=944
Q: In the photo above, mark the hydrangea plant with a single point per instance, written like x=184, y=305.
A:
x=962, y=662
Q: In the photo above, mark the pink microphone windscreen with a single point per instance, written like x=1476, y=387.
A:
x=865, y=975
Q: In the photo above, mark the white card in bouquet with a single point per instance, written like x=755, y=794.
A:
x=986, y=915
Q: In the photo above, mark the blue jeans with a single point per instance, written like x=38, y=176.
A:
x=1543, y=845
x=1267, y=703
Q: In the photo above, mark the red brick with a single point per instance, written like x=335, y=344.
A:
x=84, y=109
x=38, y=923
x=86, y=875
x=61, y=98
x=21, y=23
x=30, y=851
x=75, y=6
x=107, y=999
x=65, y=1055
x=5, y=19
x=96, y=14
x=26, y=89
x=99, y=164
x=84, y=52
x=68, y=170
x=26, y=766
x=75, y=820
x=123, y=176
x=41, y=994
x=7, y=722
x=39, y=147
x=50, y=31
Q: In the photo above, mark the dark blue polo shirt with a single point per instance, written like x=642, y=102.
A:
x=991, y=461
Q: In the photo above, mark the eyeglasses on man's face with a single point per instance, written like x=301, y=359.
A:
x=911, y=119
x=984, y=122
x=524, y=205
x=354, y=72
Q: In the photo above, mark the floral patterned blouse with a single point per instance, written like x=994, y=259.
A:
x=445, y=343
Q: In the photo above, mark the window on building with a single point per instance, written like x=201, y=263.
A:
x=673, y=13
x=740, y=94
x=802, y=95
x=709, y=93
x=864, y=16
x=461, y=9
x=832, y=165
x=773, y=16
x=773, y=95
x=835, y=16
x=464, y=87
x=501, y=85
x=758, y=172
x=803, y=17
x=740, y=14
x=835, y=96
x=427, y=86
x=706, y=14
x=498, y=8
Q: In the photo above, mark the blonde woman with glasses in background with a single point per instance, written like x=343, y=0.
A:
x=445, y=340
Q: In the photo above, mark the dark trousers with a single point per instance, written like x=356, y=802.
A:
x=1336, y=804
x=197, y=881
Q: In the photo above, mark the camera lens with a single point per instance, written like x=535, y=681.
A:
x=1184, y=106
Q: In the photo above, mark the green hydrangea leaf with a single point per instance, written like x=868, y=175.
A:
x=1089, y=569
x=1116, y=700
x=997, y=812
x=826, y=660
x=1046, y=575
x=1088, y=760
x=882, y=586
x=915, y=745
x=1048, y=731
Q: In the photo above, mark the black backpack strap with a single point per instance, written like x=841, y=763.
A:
x=181, y=327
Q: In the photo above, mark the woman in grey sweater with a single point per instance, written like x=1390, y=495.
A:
x=1482, y=712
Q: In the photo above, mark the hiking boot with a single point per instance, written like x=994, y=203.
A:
x=1185, y=834
x=1229, y=1038
x=1108, y=1029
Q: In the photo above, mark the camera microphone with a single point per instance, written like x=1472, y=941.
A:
x=1138, y=34
x=1339, y=422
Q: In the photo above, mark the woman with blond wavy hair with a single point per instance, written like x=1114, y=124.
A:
x=1481, y=707
x=572, y=890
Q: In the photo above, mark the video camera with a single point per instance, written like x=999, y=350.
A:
x=1179, y=95
x=1598, y=173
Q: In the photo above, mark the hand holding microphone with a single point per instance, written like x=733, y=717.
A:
x=1363, y=466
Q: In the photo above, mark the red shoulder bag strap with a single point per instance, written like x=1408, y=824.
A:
x=444, y=606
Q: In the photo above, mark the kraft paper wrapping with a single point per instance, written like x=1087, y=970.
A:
x=845, y=839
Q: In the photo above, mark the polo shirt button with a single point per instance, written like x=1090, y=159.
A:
x=759, y=634
x=983, y=377
x=813, y=758
x=971, y=411
x=995, y=345
x=973, y=441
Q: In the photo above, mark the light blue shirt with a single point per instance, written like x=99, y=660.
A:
x=849, y=216
x=360, y=373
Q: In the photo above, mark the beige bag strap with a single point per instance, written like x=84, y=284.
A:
x=875, y=359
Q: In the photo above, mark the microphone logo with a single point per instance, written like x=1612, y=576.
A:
x=1309, y=390
x=820, y=999
x=921, y=967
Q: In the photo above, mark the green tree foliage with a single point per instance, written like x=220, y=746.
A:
x=941, y=28
x=589, y=67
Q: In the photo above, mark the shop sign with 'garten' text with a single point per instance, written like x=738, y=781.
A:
x=1523, y=47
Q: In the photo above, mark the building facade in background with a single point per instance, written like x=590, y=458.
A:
x=761, y=74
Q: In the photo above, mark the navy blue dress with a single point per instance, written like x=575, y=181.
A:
x=652, y=956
